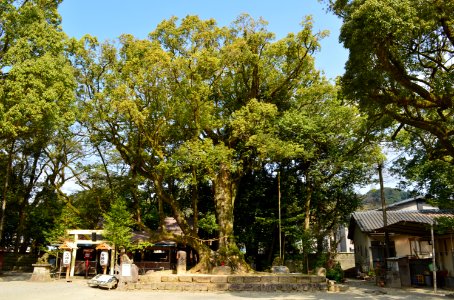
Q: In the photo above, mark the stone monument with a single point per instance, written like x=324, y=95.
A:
x=181, y=262
x=41, y=269
x=129, y=272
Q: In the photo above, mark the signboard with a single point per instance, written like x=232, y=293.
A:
x=66, y=258
x=126, y=270
x=104, y=258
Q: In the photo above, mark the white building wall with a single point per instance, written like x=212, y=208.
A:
x=363, y=253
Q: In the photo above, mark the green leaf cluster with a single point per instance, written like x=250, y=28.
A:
x=400, y=71
x=118, y=224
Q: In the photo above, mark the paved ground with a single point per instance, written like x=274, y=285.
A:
x=15, y=286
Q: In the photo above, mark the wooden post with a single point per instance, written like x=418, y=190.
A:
x=68, y=267
x=113, y=260
x=383, y=205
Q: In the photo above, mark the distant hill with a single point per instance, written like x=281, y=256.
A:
x=372, y=198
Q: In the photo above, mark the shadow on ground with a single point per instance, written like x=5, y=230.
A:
x=14, y=276
x=370, y=288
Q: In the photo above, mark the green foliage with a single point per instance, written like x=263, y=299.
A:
x=68, y=219
x=444, y=225
x=37, y=88
x=400, y=71
x=118, y=224
x=433, y=176
x=208, y=223
x=322, y=260
x=141, y=245
x=192, y=121
x=335, y=273
x=197, y=104
x=372, y=199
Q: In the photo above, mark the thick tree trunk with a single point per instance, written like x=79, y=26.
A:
x=224, y=197
x=25, y=205
x=224, y=194
x=225, y=189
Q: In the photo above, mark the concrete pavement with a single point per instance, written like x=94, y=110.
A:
x=15, y=286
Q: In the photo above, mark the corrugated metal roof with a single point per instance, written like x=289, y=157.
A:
x=372, y=220
x=408, y=200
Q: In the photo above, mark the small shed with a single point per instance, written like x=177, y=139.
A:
x=414, y=247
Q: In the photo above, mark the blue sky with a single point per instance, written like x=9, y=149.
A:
x=108, y=19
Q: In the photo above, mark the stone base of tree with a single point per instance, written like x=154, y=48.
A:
x=260, y=283
x=280, y=270
x=222, y=270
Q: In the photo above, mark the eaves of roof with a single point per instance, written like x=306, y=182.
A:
x=372, y=220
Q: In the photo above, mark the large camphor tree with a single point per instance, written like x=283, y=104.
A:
x=195, y=103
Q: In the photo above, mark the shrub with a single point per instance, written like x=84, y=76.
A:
x=335, y=273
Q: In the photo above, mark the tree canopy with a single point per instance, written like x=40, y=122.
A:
x=400, y=69
x=200, y=104
x=36, y=107
x=194, y=122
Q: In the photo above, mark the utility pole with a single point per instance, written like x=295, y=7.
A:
x=434, y=263
x=383, y=205
x=280, y=230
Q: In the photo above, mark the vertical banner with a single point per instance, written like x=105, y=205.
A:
x=104, y=258
x=66, y=258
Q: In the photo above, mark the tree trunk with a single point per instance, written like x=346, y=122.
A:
x=320, y=245
x=225, y=189
x=224, y=194
x=224, y=197
x=195, y=201
x=5, y=189
x=307, y=205
x=25, y=205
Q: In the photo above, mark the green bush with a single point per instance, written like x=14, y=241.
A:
x=335, y=273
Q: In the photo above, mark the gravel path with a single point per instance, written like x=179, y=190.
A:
x=14, y=286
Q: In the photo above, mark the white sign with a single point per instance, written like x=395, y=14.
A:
x=125, y=269
x=104, y=258
x=66, y=258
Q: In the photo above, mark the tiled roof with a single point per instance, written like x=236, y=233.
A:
x=372, y=220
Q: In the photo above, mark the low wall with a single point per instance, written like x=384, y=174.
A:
x=18, y=262
x=346, y=260
x=264, y=283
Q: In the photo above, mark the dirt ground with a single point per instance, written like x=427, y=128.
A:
x=16, y=286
